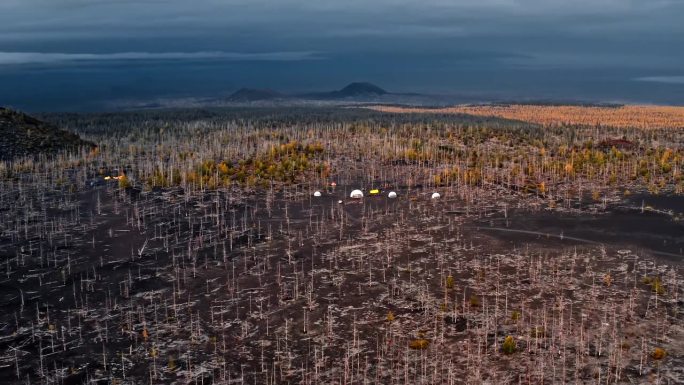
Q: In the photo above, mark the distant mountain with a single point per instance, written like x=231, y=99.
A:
x=359, y=89
x=22, y=135
x=252, y=95
x=353, y=90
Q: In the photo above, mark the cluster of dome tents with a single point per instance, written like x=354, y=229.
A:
x=358, y=194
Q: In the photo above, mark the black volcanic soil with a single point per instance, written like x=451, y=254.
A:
x=656, y=227
x=122, y=286
x=22, y=135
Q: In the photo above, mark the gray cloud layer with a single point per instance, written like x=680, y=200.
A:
x=534, y=27
x=663, y=79
x=330, y=18
x=408, y=45
x=15, y=58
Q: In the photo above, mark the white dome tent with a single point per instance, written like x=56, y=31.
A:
x=317, y=194
x=435, y=196
x=392, y=195
x=356, y=194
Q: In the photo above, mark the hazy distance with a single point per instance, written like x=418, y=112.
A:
x=93, y=55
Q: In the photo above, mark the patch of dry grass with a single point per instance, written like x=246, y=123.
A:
x=639, y=116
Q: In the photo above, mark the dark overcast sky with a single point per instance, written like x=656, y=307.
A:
x=63, y=51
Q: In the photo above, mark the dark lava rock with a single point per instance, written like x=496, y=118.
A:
x=23, y=135
x=593, y=350
x=76, y=378
x=460, y=323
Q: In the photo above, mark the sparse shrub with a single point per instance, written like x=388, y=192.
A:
x=655, y=283
x=541, y=188
x=509, y=345
x=419, y=344
x=390, y=316
x=515, y=316
x=124, y=182
x=450, y=282
x=607, y=279
x=658, y=354
x=474, y=301
x=657, y=287
x=569, y=168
